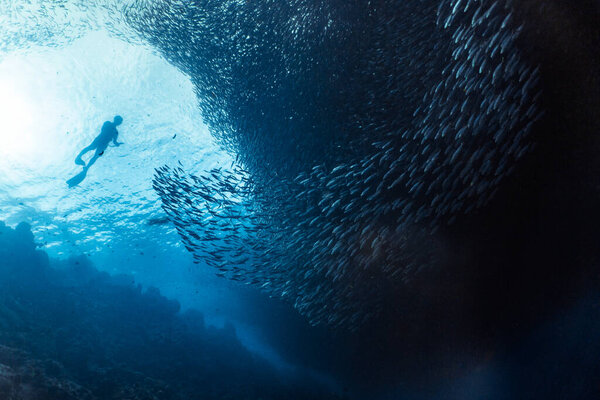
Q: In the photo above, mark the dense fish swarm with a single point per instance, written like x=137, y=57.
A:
x=28, y=23
x=361, y=126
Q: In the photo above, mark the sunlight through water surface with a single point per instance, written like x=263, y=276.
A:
x=53, y=102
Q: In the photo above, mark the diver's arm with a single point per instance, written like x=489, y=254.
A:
x=115, y=139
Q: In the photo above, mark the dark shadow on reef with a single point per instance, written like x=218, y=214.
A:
x=68, y=331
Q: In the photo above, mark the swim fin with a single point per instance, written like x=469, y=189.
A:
x=77, y=179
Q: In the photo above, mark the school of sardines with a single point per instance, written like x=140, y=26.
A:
x=343, y=178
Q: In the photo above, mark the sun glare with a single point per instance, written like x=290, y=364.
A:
x=30, y=108
x=16, y=121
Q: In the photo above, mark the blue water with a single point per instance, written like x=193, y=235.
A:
x=313, y=200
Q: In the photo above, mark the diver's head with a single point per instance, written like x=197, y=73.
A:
x=118, y=119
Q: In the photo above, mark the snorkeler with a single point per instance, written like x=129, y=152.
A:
x=109, y=132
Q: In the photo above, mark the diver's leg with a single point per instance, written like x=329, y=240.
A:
x=92, y=161
x=78, y=159
x=98, y=153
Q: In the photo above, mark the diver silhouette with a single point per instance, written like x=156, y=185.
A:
x=107, y=134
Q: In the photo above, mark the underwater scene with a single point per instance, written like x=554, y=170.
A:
x=299, y=199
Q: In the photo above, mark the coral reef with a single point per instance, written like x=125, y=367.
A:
x=68, y=331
